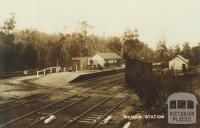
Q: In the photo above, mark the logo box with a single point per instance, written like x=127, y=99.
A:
x=182, y=108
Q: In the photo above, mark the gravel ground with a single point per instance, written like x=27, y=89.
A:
x=58, y=79
x=16, y=87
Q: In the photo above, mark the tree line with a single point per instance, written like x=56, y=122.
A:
x=32, y=49
x=136, y=49
x=191, y=53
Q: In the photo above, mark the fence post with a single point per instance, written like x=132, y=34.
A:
x=44, y=71
x=50, y=70
x=37, y=73
x=59, y=68
x=81, y=66
x=56, y=69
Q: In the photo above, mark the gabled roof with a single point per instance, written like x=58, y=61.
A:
x=182, y=58
x=110, y=55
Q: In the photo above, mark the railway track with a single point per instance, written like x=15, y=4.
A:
x=89, y=81
x=67, y=102
x=58, y=107
x=18, y=100
x=8, y=106
x=95, y=114
x=23, y=100
x=64, y=111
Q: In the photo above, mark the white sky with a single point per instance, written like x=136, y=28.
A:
x=177, y=20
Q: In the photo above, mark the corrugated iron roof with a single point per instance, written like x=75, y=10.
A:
x=110, y=55
x=182, y=58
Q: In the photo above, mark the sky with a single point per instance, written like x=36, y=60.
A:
x=177, y=21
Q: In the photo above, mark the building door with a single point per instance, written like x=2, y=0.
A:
x=183, y=68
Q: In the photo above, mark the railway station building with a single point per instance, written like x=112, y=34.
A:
x=98, y=61
x=102, y=60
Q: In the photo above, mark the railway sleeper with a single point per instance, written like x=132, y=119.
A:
x=92, y=117
x=81, y=125
x=39, y=114
x=101, y=112
x=86, y=119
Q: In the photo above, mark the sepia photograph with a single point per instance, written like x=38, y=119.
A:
x=99, y=64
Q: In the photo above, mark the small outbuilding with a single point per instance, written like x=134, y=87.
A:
x=79, y=63
x=102, y=60
x=179, y=63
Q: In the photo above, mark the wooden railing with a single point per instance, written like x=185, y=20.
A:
x=48, y=71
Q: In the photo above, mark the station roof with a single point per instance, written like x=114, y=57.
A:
x=110, y=55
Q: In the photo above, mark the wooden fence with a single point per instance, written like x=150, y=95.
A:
x=49, y=70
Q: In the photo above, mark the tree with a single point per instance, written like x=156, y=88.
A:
x=186, y=50
x=177, y=50
x=8, y=51
x=195, y=55
x=114, y=45
x=146, y=53
x=9, y=24
x=171, y=52
x=161, y=50
x=30, y=56
x=130, y=34
x=133, y=48
x=84, y=27
x=6, y=28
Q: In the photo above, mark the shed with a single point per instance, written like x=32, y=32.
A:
x=79, y=63
x=179, y=63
